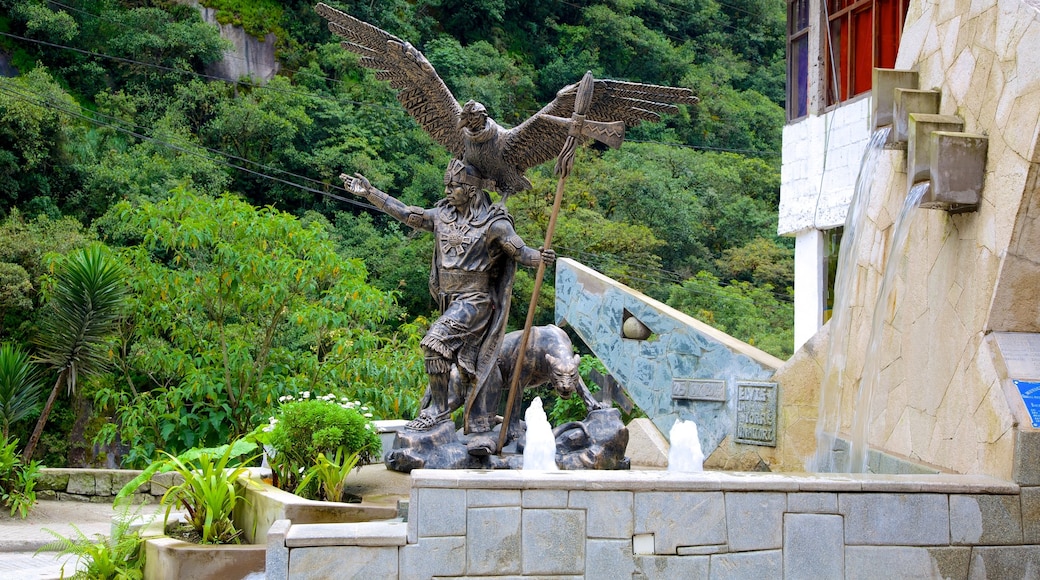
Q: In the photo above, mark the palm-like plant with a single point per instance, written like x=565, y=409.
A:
x=20, y=387
x=85, y=307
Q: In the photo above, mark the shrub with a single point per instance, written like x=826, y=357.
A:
x=309, y=428
x=119, y=556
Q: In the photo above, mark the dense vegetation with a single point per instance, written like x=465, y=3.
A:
x=246, y=281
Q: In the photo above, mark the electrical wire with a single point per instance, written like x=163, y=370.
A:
x=187, y=151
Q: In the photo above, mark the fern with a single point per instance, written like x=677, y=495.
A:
x=117, y=557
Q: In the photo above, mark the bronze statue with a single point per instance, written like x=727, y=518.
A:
x=477, y=248
x=500, y=155
x=471, y=279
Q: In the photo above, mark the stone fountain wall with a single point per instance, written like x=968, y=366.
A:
x=945, y=395
x=654, y=524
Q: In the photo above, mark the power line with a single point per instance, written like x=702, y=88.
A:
x=661, y=275
x=188, y=151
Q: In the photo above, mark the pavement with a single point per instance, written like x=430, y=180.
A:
x=20, y=539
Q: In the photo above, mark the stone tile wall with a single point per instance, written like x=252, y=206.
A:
x=654, y=524
x=680, y=347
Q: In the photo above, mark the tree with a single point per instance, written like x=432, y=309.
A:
x=20, y=387
x=85, y=307
x=235, y=306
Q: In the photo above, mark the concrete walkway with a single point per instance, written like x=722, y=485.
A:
x=20, y=539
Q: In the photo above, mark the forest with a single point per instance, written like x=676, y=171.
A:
x=177, y=253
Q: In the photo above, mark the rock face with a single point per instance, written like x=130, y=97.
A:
x=250, y=58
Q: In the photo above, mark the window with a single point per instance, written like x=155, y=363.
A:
x=797, y=58
x=862, y=34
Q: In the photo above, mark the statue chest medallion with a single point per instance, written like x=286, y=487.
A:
x=456, y=238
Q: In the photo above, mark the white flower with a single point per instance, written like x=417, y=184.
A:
x=364, y=408
x=368, y=426
x=369, y=415
x=306, y=394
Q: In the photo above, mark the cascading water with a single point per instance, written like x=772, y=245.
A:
x=828, y=421
x=871, y=372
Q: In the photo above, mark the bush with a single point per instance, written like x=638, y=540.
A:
x=309, y=428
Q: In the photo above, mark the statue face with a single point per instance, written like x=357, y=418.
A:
x=458, y=194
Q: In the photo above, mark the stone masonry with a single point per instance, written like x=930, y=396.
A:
x=655, y=524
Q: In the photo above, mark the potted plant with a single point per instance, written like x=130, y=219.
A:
x=209, y=544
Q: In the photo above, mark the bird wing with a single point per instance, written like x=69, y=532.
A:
x=541, y=137
x=420, y=89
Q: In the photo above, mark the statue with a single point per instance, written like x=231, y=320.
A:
x=477, y=248
x=500, y=155
x=471, y=280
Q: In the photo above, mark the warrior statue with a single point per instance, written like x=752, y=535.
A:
x=475, y=256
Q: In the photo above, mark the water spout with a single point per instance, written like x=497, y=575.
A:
x=540, y=445
x=871, y=365
x=685, y=454
x=828, y=421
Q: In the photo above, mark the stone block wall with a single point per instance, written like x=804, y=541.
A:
x=655, y=524
x=99, y=485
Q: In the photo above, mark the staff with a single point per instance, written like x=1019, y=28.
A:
x=609, y=133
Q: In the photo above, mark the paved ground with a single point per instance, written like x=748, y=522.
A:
x=20, y=539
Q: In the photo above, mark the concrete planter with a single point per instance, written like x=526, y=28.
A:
x=266, y=504
x=171, y=559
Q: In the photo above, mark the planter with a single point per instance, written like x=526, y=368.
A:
x=266, y=504
x=171, y=559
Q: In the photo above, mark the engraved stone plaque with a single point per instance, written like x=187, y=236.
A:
x=699, y=389
x=756, y=413
x=1021, y=352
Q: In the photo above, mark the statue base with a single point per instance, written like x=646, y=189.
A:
x=598, y=442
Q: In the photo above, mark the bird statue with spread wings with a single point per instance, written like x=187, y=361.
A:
x=501, y=155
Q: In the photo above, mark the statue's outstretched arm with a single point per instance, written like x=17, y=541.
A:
x=408, y=214
x=514, y=245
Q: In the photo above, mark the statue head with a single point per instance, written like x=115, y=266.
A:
x=460, y=173
x=474, y=116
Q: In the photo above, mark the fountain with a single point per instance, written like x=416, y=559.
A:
x=829, y=421
x=684, y=454
x=871, y=366
x=540, y=446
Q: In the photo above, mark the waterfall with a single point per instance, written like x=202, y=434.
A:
x=871, y=372
x=829, y=419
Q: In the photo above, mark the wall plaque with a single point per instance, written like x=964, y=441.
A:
x=756, y=413
x=1021, y=352
x=1030, y=392
x=699, y=389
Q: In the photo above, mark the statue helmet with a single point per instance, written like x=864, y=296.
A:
x=459, y=172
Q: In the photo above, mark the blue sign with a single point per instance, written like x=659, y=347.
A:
x=1030, y=392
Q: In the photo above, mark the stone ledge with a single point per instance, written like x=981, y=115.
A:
x=360, y=534
x=708, y=481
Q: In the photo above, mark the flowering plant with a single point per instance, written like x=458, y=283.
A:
x=313, y=441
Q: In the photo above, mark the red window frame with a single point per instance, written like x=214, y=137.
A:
x=862, y=35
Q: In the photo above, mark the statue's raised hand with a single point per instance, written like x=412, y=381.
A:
x=358, y=184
